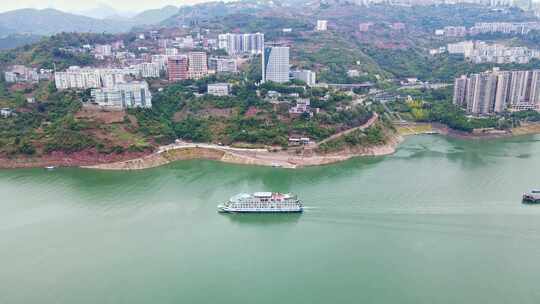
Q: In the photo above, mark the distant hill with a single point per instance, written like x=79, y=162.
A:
x=104, y=11
x=51, y=21
x=16, y=40
x=208, y=11
x=154, y=16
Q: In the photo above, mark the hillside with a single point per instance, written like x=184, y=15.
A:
x=393, y=46
x=15, y=40
x=51, y=21
x=154, y=16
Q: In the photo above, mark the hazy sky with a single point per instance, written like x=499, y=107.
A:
x=80, y=5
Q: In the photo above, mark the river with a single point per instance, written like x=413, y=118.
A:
x=440, y=221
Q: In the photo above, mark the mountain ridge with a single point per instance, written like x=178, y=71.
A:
x=51, y=21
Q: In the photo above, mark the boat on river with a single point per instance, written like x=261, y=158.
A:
x=262, y=202
x=532, y=196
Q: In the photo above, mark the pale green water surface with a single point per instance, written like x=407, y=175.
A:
x=438, y=222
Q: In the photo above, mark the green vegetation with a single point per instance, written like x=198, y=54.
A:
x=52, y=125
x=374, y=135
x=243, y=117
x=435, y=106
x=50, y=51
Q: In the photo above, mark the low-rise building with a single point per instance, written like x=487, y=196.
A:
x=20, y=73
x=218, y=89
x=302, y=106
x=519, y=28
x=322, y=25
x=222, y=65
x=452, y=31
x=364, y=27
x=6, y=112
x=298, y=141
x=353, y=73
x=307, y=76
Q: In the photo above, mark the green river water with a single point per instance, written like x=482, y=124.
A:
x=440, y=221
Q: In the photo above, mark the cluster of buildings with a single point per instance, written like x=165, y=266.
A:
x=186, y=42
x=104, y=51
x=23, y=74
x=519, y=28
x=110, y=88
x=515, y=28
x=87, y=78
x=497, y=91
x=239, y=44
x=122, y=85
x=481, y=52
x=193, y=65
x=527, y=4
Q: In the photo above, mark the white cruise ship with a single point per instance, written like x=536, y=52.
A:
x=260, y=202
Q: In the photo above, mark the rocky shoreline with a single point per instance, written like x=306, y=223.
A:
x=260, y=157
x=59, y=159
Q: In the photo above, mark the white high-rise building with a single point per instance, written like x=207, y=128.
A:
x=242, y=43
x=496, y=91
x=125, y=95
x=149, y=69
x=86, y=78
x=77, y=78
x=275, y=64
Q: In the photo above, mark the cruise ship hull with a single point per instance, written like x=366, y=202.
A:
x=258, y=210
x=224, y=209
